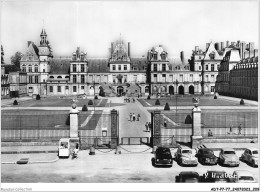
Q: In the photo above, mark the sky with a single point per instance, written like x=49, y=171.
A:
x=93, y=25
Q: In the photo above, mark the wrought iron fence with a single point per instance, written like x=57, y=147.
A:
x=40, y=126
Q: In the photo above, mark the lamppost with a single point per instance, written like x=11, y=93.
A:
x=176, y=96
x=94, y=93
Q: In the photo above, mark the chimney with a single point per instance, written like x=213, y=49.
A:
x=243, y=46
x=182, y=56
x=238, y=43
x=112, y=48
x=227, y=43
x=109, y=51
x=251, y=46
x=217, y=46
x=207, y=45
x=128, y=49
x=196, y=49
x=222, y=45
x=255, y=53
x=29, y=42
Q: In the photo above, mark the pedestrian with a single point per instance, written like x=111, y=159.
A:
x=146, y=126
x=150, y=126
x=138, y=116
x=239, y=129
x=133, y=116
x=231, y=129
x=165, y=124
x=210, y=134
x=130, y=117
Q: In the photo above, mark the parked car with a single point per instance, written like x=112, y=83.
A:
x=250, y=156
x=163, y=156
x=206, y=156
x=243, y=176
x=188, y=177
x=227, y=156
x=215, y=177
x=184, y=156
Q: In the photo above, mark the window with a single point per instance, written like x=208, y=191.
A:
x=36, y=79
x=206, y=78
x=43, y=70
x=23, y=68
x=43, y=80
x=163, y=67
x=212, y=89
x=82, y=87
x=119, y=67
x=155, y=78
x=74, y=88
x=163, y=56
x=59, y=77
x=155, y=56
x=36, y=68
x=113, y=67
x=191, y=77
x=212, y=67
x=104, y=133
x=218, y=66
x=212, y=78
x=207, y=67
x=30, y=68
x=82, y=79
x=82, y=68
x=181, y=78
x=125, y=67
x=59, y=88
x=199, y=67
x=74, y=79
x=30, y=79
x=67, y=87
x=135, y=68
x=74, y=68
x=51, y=89
x=154, y=67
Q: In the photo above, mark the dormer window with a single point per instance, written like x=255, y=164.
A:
x=163, y=56
x=212, y=55
x=155, y=56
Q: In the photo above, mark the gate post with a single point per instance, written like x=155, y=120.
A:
x=114, y=129
x=196, y=137
x=156, y=128
x=74, y=121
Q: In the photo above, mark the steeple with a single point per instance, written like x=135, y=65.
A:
x=43, y=38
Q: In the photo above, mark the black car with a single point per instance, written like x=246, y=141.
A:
x=162, y=157
x=206, y=156
x=188, y=177
x=215, y=177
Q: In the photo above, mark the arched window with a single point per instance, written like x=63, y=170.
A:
x=51, y=77
x=59, y=77
x=23, y=68
x=146, y=89
x=67, y=77
x=30, y=68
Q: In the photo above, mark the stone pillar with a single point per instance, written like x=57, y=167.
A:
x=156, y=128
x=196, y=127
x=74, y=121
x=114, y=129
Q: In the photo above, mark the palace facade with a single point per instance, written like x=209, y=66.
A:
x=122, y=74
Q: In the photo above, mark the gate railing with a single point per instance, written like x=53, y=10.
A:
x=135, y=140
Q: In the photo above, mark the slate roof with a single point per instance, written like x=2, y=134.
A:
x=139, y=62
x=10, y=68
x=59, y=66
x=98, y=65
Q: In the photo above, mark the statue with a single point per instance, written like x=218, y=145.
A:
x=195, y=101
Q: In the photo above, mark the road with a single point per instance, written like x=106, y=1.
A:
x=101, y=168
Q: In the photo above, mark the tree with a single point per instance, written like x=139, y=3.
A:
x=15, y=60
x=2, y=55
x=167, y=107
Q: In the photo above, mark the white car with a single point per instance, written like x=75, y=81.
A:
x=243, y=176
x=250, y=156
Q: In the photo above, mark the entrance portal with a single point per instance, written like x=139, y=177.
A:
x=181, y=90
x=171, y=90
x=191, y=89
x=120, y=90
